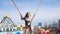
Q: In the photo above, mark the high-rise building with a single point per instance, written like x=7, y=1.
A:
x=59, y=23
x=40, y=24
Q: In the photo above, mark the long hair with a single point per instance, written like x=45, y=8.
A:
x=28, y=14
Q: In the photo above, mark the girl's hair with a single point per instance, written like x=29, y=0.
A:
x=28, y=14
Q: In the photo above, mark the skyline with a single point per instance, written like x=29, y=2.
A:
x=49, y=9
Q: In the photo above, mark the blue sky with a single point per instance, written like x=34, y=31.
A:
x=48, y=11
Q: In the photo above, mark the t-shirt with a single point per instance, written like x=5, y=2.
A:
x=28, y=19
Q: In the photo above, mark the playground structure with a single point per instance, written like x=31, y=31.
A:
x=7, y=24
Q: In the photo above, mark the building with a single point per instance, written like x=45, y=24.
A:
x=40, y=24
x=59, y=23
